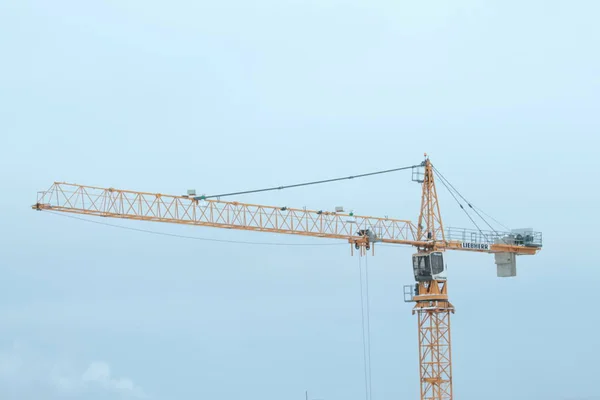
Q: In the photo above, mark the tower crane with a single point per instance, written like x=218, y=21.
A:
x=428, y=237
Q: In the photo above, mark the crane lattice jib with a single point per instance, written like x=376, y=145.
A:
x=127, y=204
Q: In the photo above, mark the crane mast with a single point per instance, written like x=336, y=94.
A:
x=428, y=236
x=430, y=215
x=431, y=296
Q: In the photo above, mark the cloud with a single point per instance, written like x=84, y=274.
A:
x=98, y=374
x=25, y=373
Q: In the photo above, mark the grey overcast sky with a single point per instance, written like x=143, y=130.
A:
x=229, y=95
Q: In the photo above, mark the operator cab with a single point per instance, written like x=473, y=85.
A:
x=429, y=266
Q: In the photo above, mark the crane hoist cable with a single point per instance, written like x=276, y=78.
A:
x=368, y=322
x=362, y=314
x=366, y=339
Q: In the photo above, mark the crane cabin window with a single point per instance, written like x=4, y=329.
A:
x=422, y=267
x=428, y=266
x=437, y=263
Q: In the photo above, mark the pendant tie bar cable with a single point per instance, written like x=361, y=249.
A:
x=305, y=184
x=476, y=210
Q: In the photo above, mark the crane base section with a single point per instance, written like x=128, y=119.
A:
x=435, y=354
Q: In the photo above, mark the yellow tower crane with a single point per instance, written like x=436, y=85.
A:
x=430, y=292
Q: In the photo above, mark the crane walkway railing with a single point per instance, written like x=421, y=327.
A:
x=519, y=237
